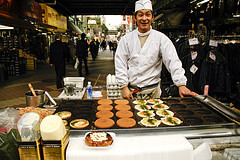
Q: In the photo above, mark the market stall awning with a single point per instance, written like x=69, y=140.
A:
x=15, y=21
x=73, y=28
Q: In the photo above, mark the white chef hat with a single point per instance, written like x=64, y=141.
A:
x=143, y=4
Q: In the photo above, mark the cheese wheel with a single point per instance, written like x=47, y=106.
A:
x=52, y=128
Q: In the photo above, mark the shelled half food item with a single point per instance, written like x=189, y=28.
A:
x=154, y=112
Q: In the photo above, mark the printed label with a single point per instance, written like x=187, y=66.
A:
x=193, y=41
x=212, y=56
x=213, y=43
x=194, y=69
x=194, y=55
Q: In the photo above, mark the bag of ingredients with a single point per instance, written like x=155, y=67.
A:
x=8, y=134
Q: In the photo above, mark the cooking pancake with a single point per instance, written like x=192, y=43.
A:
x=104, y=123
x=163, y=112
x=65, y=122
x=154, y=101
x=126, y=122
x=105, y=107
x=159, y=106
x=64, y=114
x=122, y=107
x=148, y=113
x=79, y=123
x=140, y=102
x=104, y=114
x=105, y=101
x=121, y=101
x=150, y=122
x=142, y=107
x=171, y=121
x=124, y=114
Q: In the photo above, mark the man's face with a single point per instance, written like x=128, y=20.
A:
x=144, y=19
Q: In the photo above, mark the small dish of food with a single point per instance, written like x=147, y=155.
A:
x=99, y=139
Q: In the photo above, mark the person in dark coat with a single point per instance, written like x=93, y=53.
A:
x=93, y=49
x=58, y=54
x=97, y=44
x=103, y=45
x=110, y=45
x=82, y=54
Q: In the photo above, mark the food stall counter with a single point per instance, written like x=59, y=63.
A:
x=139, y=147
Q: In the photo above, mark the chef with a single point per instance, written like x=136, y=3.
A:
x=139, y=58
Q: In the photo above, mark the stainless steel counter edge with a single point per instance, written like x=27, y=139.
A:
x=224, y=130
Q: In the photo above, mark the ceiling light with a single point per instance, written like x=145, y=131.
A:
x=6, y=27
x=202, y=2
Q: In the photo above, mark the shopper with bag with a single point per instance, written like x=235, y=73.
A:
x=82, y=54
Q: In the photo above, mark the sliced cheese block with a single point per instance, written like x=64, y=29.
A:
x=52, y=128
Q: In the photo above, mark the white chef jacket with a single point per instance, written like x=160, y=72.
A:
x=142, y=67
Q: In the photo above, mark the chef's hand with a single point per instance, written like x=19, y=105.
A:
x=126, y=93
x=51, y=65
x=184, y=91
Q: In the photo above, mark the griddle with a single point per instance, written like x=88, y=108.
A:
x=192, y=111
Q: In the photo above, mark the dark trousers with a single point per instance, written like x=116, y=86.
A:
x=60, y=73
x=93, y=55
x=80, y=66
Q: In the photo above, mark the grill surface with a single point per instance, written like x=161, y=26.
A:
x=190, y=110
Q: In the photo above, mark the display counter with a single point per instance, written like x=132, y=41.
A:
x=203, y=121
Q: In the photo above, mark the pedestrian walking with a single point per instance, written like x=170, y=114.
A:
x=103, y=45
x=58, y=56
x=93, y=49
x=114, y=48
x=82, y=54
x=97, y=44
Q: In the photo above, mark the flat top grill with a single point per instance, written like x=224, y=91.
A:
x=191, y=111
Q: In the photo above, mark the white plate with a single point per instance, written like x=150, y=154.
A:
x=111, y=133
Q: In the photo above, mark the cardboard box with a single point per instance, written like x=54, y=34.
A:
x=30, y=150
x=55, y=150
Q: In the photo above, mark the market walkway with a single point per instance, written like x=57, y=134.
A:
x=13, y=91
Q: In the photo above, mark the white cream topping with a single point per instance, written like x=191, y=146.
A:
x=98, y=136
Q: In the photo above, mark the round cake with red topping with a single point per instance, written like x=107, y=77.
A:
x=98, y=139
